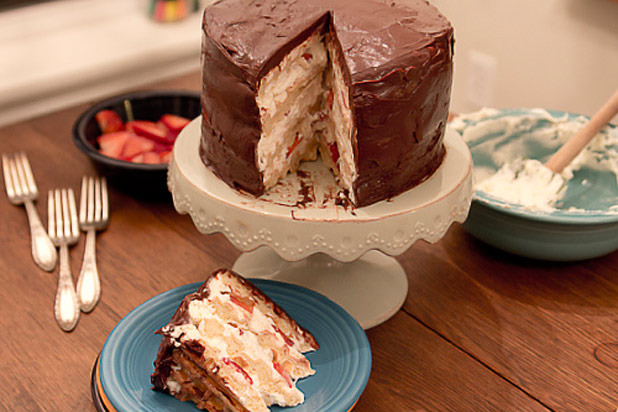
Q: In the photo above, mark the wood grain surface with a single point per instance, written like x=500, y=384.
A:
x=480, y=330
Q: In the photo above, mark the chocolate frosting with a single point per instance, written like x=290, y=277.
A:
x=398, y=65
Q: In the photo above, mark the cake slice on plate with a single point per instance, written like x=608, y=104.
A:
x=229, y=347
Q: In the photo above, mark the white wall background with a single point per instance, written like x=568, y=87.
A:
x=556, y=54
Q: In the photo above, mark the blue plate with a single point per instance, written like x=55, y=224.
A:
x=342, y=363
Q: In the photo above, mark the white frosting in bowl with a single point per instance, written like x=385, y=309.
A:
x=510, y=146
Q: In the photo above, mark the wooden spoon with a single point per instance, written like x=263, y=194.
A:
x=579, y=140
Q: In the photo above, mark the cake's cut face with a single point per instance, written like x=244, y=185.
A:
x=304, y=107
x=366, y=83
x=229, y=347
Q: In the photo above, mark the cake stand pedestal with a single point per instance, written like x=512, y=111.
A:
x=297, y=233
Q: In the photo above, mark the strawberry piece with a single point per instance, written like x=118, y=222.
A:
x=170, y=134
x=149, y=130
x=295, y=143
x=151, y=158
x=287, y=340
x=174, y=123
x=136, y=145
x=239, y=369
x=307, y=56
x=334, y=151
x=138, y=158
x=283, y=373
x=165, y=156
x=162, y=148
x=245, y=303
x=112, y=144
x=109, y=121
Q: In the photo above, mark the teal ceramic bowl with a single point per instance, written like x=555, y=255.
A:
x=583, y=224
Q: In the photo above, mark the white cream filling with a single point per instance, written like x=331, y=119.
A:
x=173, y=386
x=341, y=127
x=304, y=105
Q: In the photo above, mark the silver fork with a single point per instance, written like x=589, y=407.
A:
x=93, y=216
x=21, y=189
x=64, y=231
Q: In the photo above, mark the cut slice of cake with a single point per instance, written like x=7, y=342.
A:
x=229, y=347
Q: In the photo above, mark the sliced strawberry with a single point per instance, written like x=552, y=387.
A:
x=174, y=123
x=109, y=121
x=239, y=369
x=283, y=373
x=136, y=145
x=138, y=158
x=329, y=99
x=149, y=130
x=151, y=158
x=295, y=143
x=244, y=302
x=334, y=152
x=162, y=147
x=112, y=144
x=287, y=340
x=165, y=156
x=170, y=134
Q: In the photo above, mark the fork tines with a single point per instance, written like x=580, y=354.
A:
x=94, y=204
x=18, y=178
x=62, y=226
x=21, y=189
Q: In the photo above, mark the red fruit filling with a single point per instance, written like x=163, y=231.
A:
x=283, y=373
x=287, y=340
x=334, y=151
x=244, y=302
x=239, y=369
x=295, y=143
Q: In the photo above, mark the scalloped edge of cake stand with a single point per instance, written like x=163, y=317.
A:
x=323, y=246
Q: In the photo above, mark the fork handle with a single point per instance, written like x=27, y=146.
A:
x=66, y=308
x=89, y=284
x=43, y=251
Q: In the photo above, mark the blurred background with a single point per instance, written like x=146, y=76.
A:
x=556, y=54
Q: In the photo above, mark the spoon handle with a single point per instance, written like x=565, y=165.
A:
x=579, y=140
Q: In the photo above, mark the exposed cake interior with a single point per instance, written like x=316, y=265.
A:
x=304, y=108
x=236, y=350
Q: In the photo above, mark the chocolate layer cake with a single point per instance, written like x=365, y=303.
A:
x=229, y=347
x=364, y=82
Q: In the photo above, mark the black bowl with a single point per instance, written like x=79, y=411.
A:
x=144, y=180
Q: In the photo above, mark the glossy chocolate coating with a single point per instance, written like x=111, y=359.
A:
x=398, y=65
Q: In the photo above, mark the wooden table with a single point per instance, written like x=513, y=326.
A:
x=480, y=330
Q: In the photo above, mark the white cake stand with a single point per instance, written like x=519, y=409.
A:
x=332, y=249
